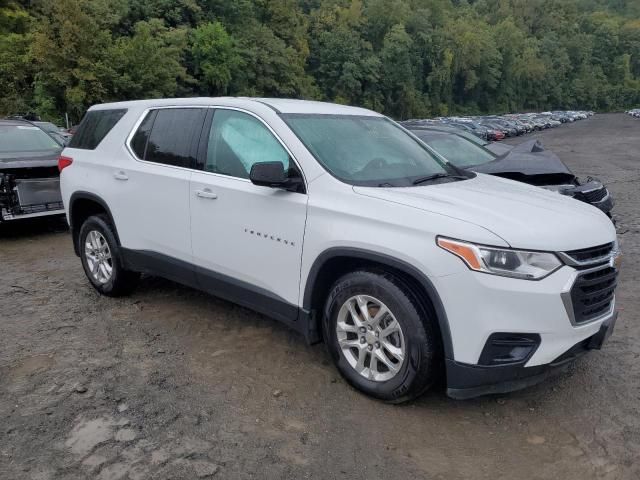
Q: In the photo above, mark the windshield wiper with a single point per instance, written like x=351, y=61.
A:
x=436, y=176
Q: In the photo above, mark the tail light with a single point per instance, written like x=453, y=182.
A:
x=64, y=162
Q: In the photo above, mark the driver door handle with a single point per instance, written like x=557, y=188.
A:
x=206, y=193
x=120, y=175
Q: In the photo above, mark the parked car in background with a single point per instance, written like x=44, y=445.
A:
x=56, y=132
x=496, y=127
x=29, y=177
x=72, y=130
x=506, y=129
x=493, y=146
x=527, y=162
x=343, y=225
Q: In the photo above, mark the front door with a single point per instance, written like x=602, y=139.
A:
x=246, y=239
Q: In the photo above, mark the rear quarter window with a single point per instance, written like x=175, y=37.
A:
x=95, y=125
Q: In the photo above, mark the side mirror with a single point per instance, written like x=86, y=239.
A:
x=272, y=174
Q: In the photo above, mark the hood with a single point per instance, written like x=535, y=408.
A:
x=526, y=159
x=523, y=216
x=498, y=148
x=12, y=160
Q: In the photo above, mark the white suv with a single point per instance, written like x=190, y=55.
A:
x=342, y=224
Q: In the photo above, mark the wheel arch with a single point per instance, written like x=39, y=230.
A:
x=335, y=262
x=81, y=206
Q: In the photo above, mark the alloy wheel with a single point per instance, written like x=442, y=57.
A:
x=98, y=256
x=370, y=338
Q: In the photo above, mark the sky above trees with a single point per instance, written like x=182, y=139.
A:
x=406, y=58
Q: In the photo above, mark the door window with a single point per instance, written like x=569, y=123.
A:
x=237, y=141
x=174, y=136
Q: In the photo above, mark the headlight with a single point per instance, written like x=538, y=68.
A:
x=502, y=261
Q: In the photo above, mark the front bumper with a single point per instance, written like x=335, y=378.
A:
x=468, y=381
x=491, y=311
x=30, y=197
x=479, y=305
x=592, y=192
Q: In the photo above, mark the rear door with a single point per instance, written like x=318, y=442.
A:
x=247, y=240
x=151, y=195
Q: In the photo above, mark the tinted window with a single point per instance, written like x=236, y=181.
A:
x=25, y=138
x=237, y=141
x=139, y=140
x=174, y=136
x=94, y=127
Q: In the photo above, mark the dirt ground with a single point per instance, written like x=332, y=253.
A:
x=172, y=383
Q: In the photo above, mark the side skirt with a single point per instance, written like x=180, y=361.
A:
x=217, y=284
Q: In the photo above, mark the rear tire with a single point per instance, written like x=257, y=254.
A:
x=102, y=258
x=394, y=358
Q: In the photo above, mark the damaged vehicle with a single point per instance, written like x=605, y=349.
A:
x=58, y=133
x=29, y=176
x=528, y=162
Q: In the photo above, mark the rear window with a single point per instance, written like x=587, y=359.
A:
x=94, y=127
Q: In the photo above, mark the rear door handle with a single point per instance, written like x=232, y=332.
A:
x=120, y=175
x=206, y=193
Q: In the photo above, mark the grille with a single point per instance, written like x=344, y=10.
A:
x=592, y=254
x=595, y=195
x=592, y=294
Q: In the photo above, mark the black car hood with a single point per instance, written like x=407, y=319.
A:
x=527, y=159
x=12, y=160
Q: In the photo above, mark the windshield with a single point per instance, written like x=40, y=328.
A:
x=49, y=127
x=25, y=138
x=459, y=151
x=472, y=138
x=363, y=150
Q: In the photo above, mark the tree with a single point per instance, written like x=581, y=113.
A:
x=69, y=52
x=404, y=57
x=149, y=64
x=271, y=68
x=16, y=71
x=401, y=98
x=215, y=58
x=344, y=64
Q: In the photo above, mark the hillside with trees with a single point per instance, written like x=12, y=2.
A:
x=406, y=58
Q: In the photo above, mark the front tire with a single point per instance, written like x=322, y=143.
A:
x=380, y=338
x=102, y=258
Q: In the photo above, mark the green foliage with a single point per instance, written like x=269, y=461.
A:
x=68, y=49
x=149, y=63
x=215, y=58
x=406, y=58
